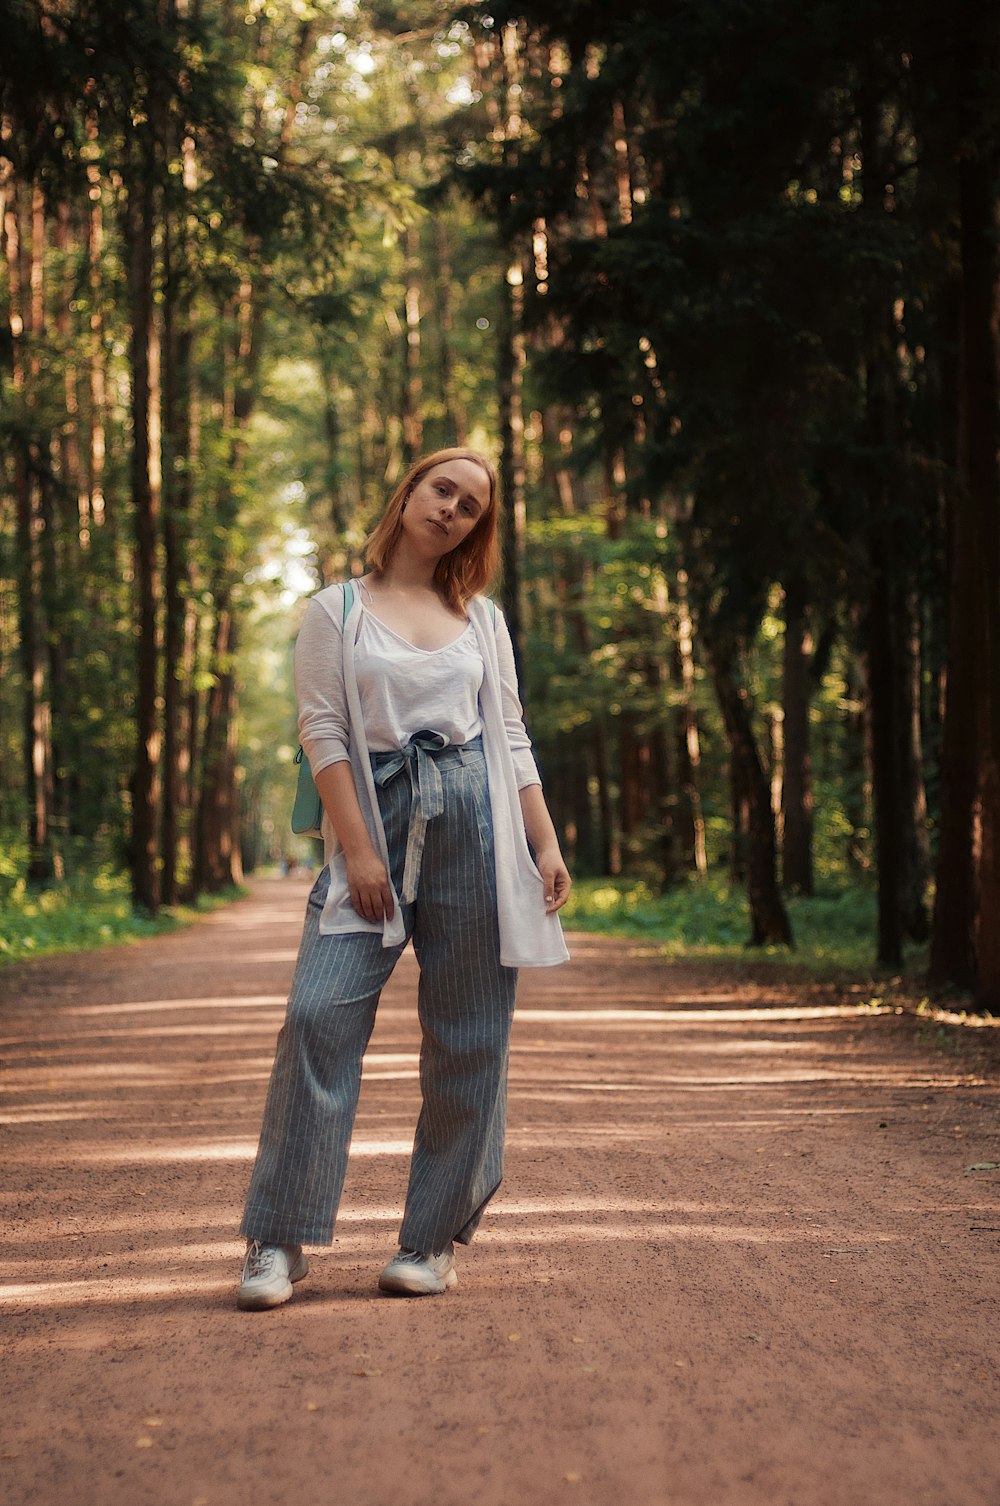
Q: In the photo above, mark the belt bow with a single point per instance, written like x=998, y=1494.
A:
x=426, y=797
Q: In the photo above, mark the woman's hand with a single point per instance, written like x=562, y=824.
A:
x=555, y=876
x=369, y=884
x=366, y=875
x=548, y=858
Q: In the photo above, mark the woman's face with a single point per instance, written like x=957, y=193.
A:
x=445, y=505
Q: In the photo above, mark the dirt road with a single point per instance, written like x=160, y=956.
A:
x=738, y=1258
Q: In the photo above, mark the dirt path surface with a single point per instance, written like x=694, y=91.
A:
x=738, y=1258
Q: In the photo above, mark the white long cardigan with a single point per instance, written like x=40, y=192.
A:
x=528, y=937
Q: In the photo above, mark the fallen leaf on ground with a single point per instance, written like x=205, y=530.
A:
x=312, y=1406
x=984, y=1166
x=152, y=1422
x=144, y=1443
x=368, y=1372
x=576, y=1340
x=513, y=1338
x=572, y=1477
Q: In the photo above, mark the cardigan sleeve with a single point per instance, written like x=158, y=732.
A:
x=319, y=688
x=513, y=716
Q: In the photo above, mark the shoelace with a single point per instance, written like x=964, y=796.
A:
x=260, y=1258
x=417, y=1257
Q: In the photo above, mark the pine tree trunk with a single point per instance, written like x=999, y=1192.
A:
x=916, y=837
x=857, y=762
x=510, y=373
x=332, y=429
x=796, y=788
x=769, y=923
x=24, y=267
x=456, y=422
x=688, y=741
x=883, y=667
x=145, y=502
x=663, y=790
x=217, y=849
x=970, y=765
x=97, y=378
x=413, y=423
x=178, y=339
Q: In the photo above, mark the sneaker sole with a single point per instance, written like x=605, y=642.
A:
x=406, y=1286
x=260, y=1301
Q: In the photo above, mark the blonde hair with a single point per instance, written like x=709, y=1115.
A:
x=471, y=565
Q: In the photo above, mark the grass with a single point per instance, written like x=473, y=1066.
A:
x=89, y=910
x=834, y=931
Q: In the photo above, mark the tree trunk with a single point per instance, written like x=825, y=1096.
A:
x=145, y=500
x=769, y=923
x=36, y=721
x=692, y=825
x=178, y=341
x=916, y=867
x=96, y=364
x=883, y=667
x=857, y=760
x=456, y=423
x=796, y=788
x=664, y=797
x=970, y=765
x=413, y=423
x=510, y=373
x=217, y=850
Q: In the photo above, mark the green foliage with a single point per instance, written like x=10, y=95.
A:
x=93, y=908
x=833, y=929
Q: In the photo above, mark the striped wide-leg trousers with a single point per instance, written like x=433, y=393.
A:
x=465, y=1003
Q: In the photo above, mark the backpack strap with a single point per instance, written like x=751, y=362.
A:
x=493, y=611
x=348, y=598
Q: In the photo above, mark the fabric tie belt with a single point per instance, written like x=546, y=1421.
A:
x=426, y=796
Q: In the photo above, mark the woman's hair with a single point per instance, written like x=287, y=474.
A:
x=467, y=568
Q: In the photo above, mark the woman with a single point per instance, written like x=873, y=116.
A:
x=410, y=719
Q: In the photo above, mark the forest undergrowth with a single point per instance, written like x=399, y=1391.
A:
x=91, y=908
x=707, y=919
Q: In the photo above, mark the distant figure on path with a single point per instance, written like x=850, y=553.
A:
x=410, y=718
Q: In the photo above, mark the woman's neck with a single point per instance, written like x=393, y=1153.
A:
x=407, y=574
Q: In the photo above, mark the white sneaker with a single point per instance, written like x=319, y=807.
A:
x=413, y=1274
x=268, y=1273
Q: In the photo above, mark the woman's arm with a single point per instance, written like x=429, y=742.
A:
x=366, y=875
x=324, y=727
x=542, y=836
x=537, y=822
